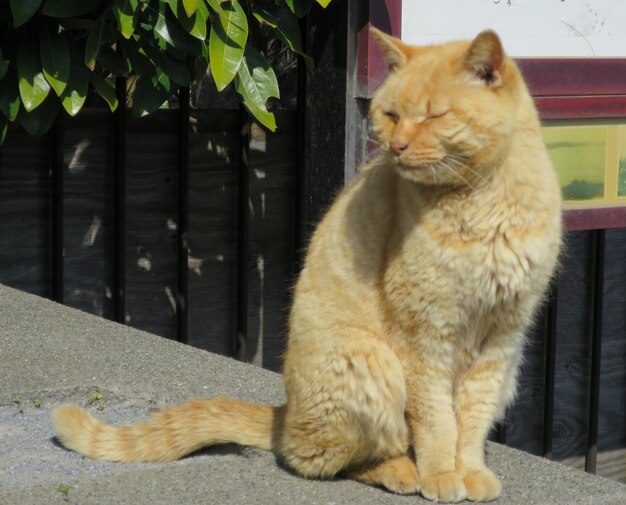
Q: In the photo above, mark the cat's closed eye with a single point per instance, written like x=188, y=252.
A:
x=437, y=113
x=392, y=116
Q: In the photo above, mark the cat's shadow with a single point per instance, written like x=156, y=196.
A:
x=215, y=450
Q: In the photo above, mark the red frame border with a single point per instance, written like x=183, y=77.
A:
x=563, y=88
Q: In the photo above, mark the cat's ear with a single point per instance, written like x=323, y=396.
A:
x=395, y=51
x=485, y=58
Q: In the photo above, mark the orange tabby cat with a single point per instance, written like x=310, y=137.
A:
x=408, y=320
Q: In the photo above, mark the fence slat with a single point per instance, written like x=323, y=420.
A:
x=56, y=216
x=182, y=225
x=591, y=455
x=119, y=229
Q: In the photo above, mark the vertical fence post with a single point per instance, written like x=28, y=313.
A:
x=56, y=174
x=240, y=351
x=119, y=220
x=591, y=455
x=183, y=217
x=548, y=399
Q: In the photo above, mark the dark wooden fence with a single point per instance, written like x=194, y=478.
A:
x=86, y=149
x=585, y=415
x=243, y=198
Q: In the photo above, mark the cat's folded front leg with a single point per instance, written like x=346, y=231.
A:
x=431, y=418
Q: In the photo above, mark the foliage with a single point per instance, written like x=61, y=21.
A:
x=583, y=190
x=621, y=185
x=52, y=52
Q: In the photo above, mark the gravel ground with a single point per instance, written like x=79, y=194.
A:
x=31, y=453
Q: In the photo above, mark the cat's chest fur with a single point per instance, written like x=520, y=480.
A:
x=457, y=263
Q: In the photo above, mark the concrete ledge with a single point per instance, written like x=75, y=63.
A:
x=54, y=354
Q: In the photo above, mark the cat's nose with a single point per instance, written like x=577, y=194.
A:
x=397, y=146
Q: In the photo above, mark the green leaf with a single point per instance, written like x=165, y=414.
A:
x=4, y=126
x=170, y=31
x=151, y=91
x=285, y=25
x=106, y=89
x=33, y=85
x=191, y=6
x=55, y=56
x=112, y=62
x=75, y=92
x=256, y=82
x=264, y=83
x=68, y=8
x=9, y=95
x=40, y=120
x=176, y=70
x=216, y=5
x=4, y=65
x=199, y=68
x=227, y=43
x=94, y=42
x=136, y=59
x=126, y=12
x=323, y=3
x=195, y=24
x=23, y=10
x=299, y=7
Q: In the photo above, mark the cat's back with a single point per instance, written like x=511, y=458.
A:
x=343, y=270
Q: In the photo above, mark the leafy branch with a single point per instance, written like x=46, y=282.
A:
x=53, y=52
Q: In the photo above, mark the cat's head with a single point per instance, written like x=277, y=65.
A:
x=446, y=113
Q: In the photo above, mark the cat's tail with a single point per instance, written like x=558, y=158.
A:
x=171, y=433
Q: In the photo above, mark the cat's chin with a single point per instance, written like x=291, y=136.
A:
x=424, y=174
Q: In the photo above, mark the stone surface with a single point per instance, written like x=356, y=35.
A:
x=50, y=354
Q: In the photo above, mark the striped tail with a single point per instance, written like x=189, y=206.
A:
x=171, y=433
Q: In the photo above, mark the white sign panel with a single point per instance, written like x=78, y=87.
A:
x=528, y=28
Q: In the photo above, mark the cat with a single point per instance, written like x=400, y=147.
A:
x=407, y=325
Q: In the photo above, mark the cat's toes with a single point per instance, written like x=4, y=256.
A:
x=401, y=477
x=482, y=486
x=444, y=487
x=398, y=475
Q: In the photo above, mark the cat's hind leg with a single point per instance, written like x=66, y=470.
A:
x=345, y=409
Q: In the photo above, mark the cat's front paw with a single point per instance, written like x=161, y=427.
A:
x=482, y=485
x=445, y=487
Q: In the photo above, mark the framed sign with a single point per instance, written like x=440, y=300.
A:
x=529, y=29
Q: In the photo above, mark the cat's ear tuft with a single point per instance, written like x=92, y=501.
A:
x=395, y=51
x=485, y=58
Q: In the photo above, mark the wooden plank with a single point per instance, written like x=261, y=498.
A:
x=88, y=211
x=151, y=182
x=572, y=348
x=273, y=165
x=25, y=213
x=574, y=76
x=594, y=219
x=611, y=427
x=524, y=426
x=581, y=107
x=213, y=159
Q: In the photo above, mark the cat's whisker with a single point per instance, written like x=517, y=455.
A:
x=373, y=154
x=464, y=165
x=445, y=165
x=432, y=169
